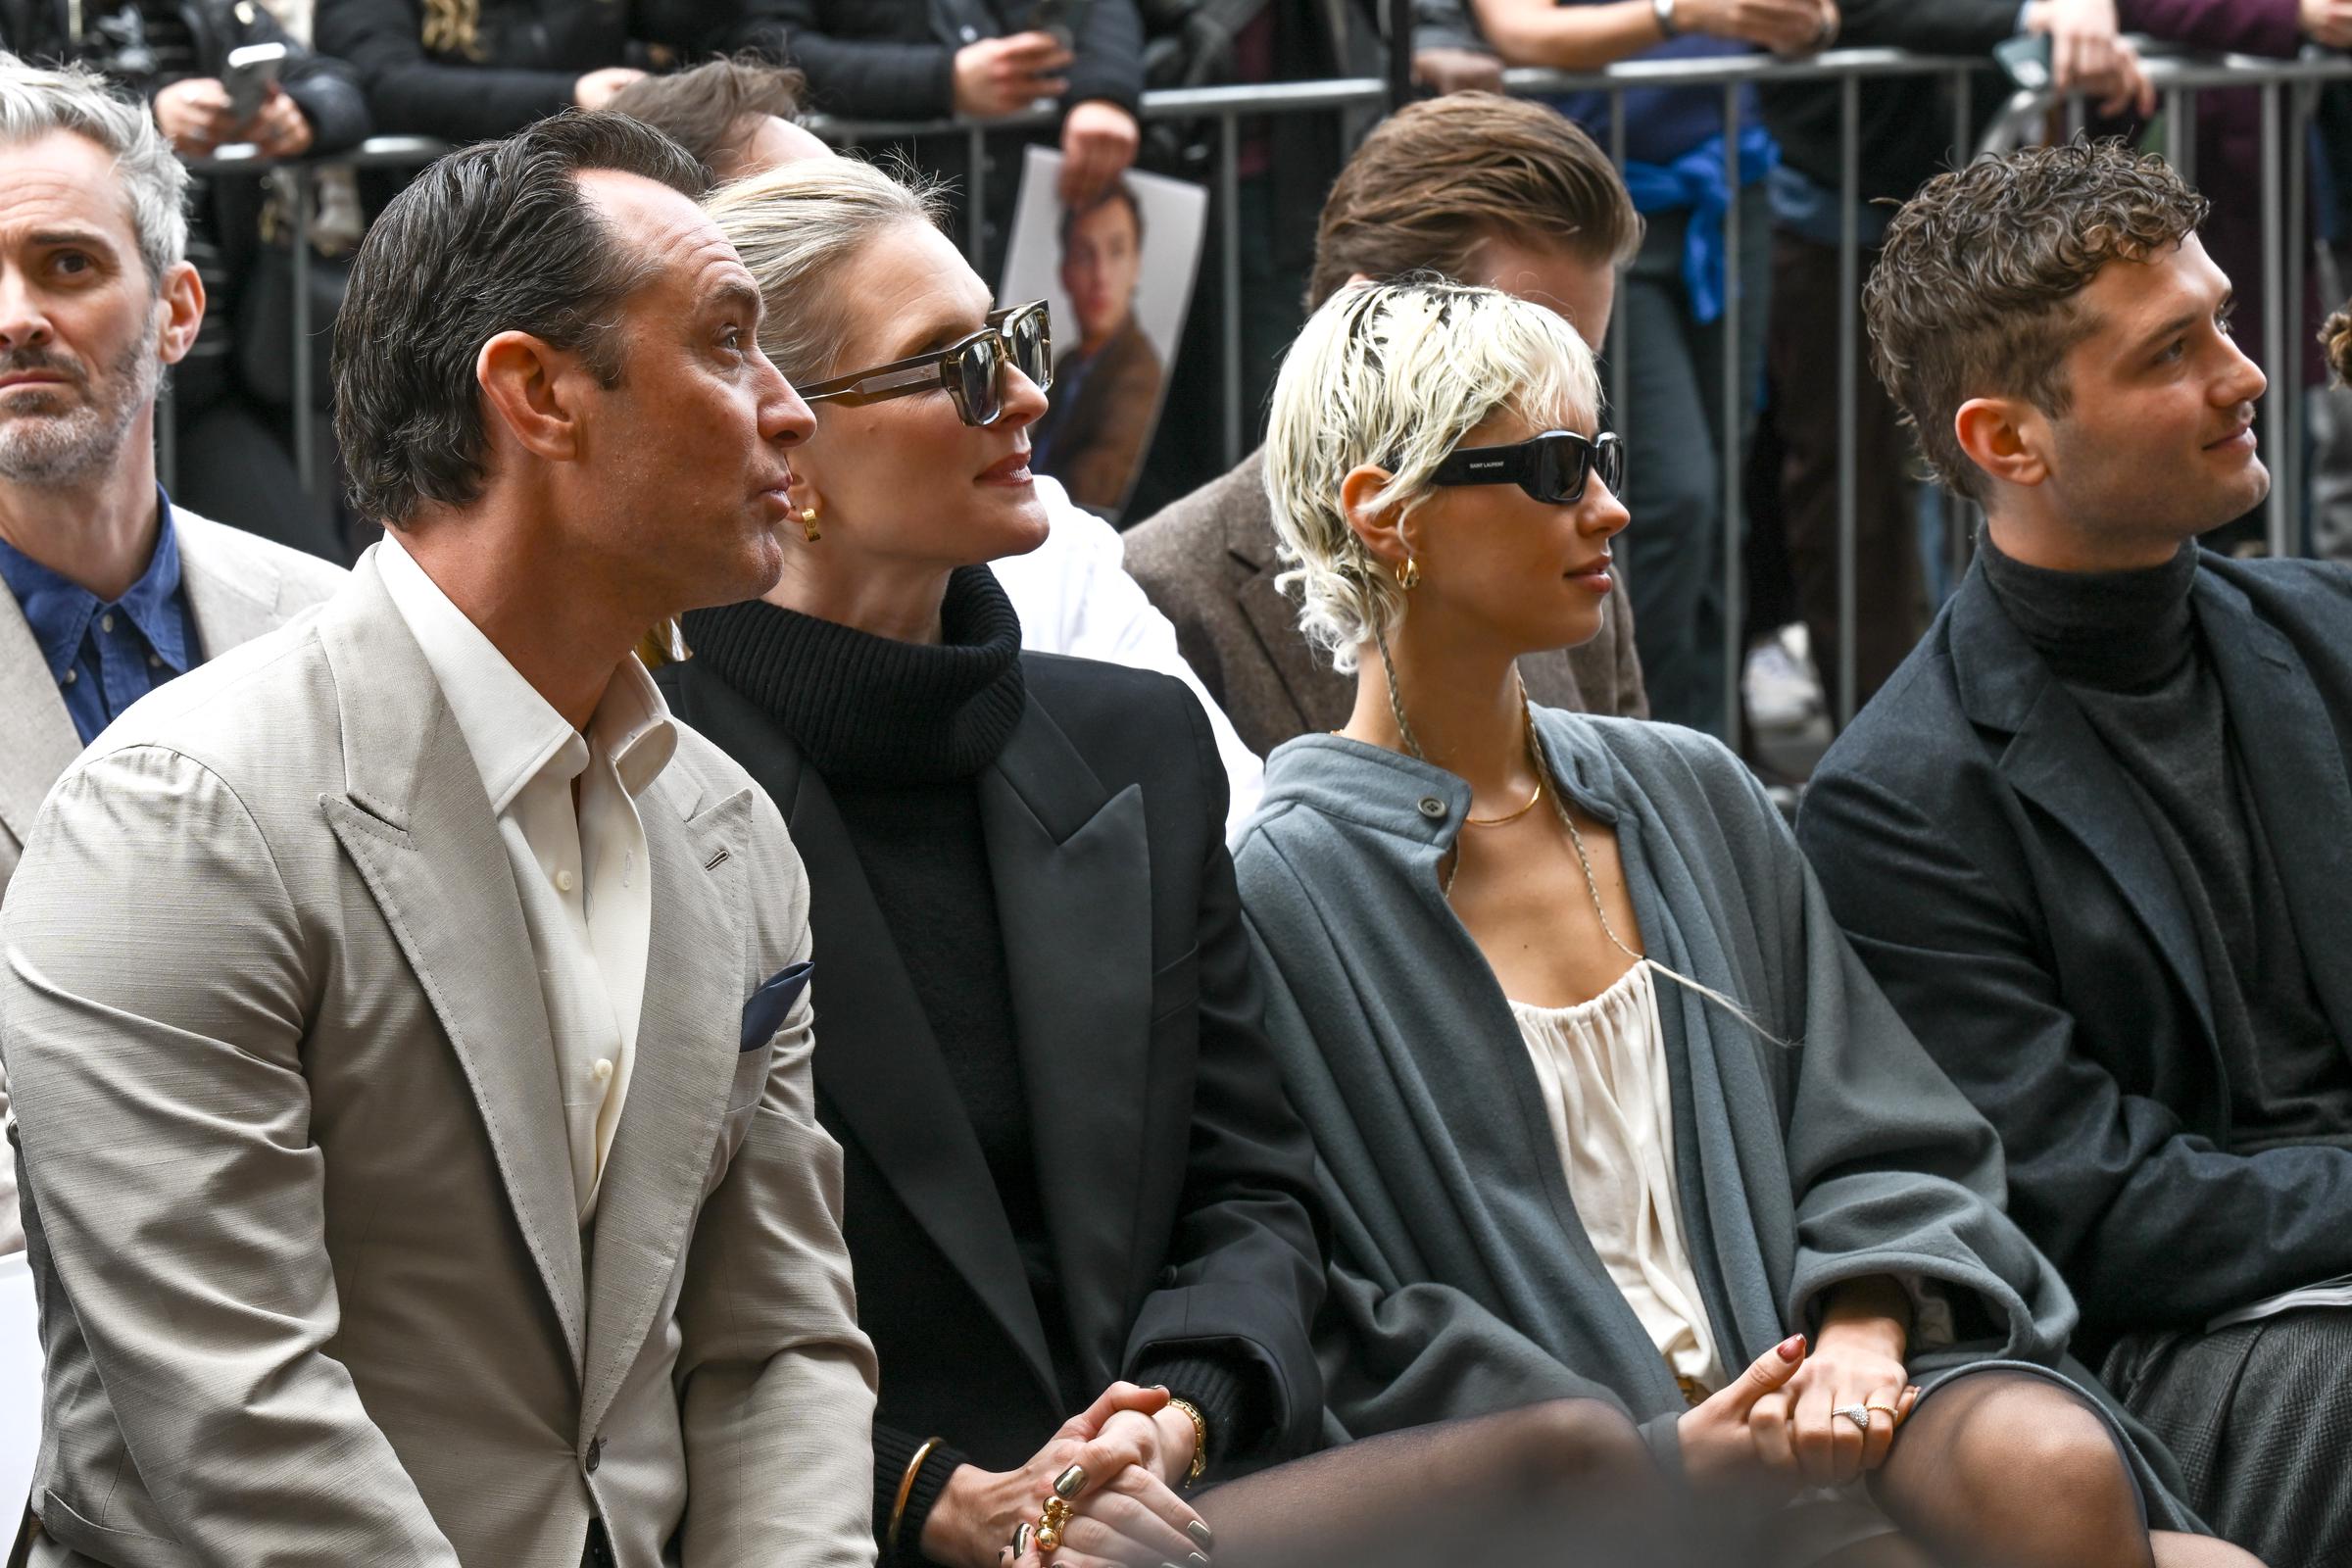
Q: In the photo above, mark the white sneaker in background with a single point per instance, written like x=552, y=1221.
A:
x=1779, y=685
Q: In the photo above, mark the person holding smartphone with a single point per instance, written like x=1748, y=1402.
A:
x=234, y=446
x=930, y=60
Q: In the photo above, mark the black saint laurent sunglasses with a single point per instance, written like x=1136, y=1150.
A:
x=1552, y=468
x=971, y=368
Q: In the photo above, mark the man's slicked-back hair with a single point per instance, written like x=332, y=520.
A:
x=1435, y=179
x=702, y=109
x=35, y=101
x=495, y=238
x=1976, y=291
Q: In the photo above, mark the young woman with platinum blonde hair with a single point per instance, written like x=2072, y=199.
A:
x=1604, y=1103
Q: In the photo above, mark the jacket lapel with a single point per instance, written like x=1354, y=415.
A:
x=2056, y=760
x=1272, y=614
x=687, y=1037
x=2294, y=761
x=42, y=739
x=1073, y=878
x=418, y=827
x=231, y=606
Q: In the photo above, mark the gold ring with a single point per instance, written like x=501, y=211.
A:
x=1051, y=1525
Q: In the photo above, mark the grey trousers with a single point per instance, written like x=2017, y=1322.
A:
x=2260, y=1417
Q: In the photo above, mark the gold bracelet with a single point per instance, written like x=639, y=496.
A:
x=898, y=1509
x=1192, y=1477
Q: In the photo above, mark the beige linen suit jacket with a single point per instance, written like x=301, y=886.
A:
x=238, y=586
x=298, y=1197
x=1208, y=563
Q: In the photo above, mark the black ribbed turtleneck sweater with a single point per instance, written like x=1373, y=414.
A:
x=900, y=732
x=2127, y=647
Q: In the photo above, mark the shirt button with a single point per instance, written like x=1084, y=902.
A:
x=1432, y=807
x=155, y=660
x=72, y=675
x=564, y=881
x=595, y=1455
x=602, y=1072
x=106, y=622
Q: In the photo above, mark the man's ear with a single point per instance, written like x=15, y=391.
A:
x=1380, y=528
x=180, y=300
x=2006, y=437
x=532, y=389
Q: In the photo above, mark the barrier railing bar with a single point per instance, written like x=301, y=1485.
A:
x=1849, y=349
x=2303, y=99
x=975, y=199
x=1734, y=397
x=1229, y=272
x=1617, y=318
x=305, y=432
x=2176, y=141
x=2274, y=317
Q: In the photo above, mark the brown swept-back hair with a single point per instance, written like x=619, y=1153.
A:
x=1436, y=178
x=2335, y=341
x=1975, y=290
x=702, y=109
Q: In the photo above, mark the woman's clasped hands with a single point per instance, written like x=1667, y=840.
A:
x=1129, y=1449
x=1811, y=1420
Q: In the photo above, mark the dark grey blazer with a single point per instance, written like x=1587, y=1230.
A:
x=1209, y=562
x=1985, y=853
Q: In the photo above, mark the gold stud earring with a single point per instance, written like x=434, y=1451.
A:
x=1409, y=575
x=808, y=526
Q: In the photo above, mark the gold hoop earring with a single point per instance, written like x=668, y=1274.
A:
x=808, y=526
x=1409, y=574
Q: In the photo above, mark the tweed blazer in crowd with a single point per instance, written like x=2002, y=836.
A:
x=1208, y=562
x=297, y=1190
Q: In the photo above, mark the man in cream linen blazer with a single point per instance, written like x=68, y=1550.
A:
x=319, y=1284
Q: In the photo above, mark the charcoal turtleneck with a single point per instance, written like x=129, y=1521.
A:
x=2129, y=647
x=870, y=710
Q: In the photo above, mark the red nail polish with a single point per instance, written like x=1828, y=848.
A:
x=1792, y=1348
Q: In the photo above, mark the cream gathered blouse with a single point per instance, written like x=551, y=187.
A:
x=1602, y=1067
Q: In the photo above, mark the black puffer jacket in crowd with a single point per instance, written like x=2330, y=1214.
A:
x=896, y=59
x=526, y=54
x=147, y=45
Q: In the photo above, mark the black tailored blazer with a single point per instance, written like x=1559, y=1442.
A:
x=1177, y=1181
x=1986, y=855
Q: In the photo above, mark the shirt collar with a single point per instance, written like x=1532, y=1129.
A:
x=513, y=732
x=60, y=610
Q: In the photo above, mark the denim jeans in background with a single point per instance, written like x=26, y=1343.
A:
x=1674, y=425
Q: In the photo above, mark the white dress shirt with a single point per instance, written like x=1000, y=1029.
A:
x=566, y=809
x=1074, y=597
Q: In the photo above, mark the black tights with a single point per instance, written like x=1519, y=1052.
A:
x=1995, y=1470
x=2010, y=1470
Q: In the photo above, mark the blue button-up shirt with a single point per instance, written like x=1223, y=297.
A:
x=105, y=657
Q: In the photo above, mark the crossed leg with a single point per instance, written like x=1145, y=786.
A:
x=2009, y=1470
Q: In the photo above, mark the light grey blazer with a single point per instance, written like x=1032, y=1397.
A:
x=297, y=1192
x=239, y=586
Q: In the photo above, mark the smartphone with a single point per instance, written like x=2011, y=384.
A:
x=251, y=71
x=1065, y=20
x=2026, y=60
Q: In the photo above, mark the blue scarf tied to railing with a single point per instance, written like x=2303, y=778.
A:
x=1700, y=183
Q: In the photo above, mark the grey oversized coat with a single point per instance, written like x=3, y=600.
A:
x=1461, y=1280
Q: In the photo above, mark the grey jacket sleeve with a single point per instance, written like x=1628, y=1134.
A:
x=170, y=1176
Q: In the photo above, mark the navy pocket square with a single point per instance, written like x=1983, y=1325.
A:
x=763, y=1015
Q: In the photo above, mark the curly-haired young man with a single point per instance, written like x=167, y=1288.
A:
x=2091, y=836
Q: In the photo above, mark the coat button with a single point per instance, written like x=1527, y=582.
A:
x=1432, y=807
x=596, y=1455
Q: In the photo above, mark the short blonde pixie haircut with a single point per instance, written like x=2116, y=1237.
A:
x=1394, y=375
x=800, y=227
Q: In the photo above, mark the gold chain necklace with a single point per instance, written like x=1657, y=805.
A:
x=1508, y=817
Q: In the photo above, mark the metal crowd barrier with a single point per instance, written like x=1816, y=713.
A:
x=2288, y=88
